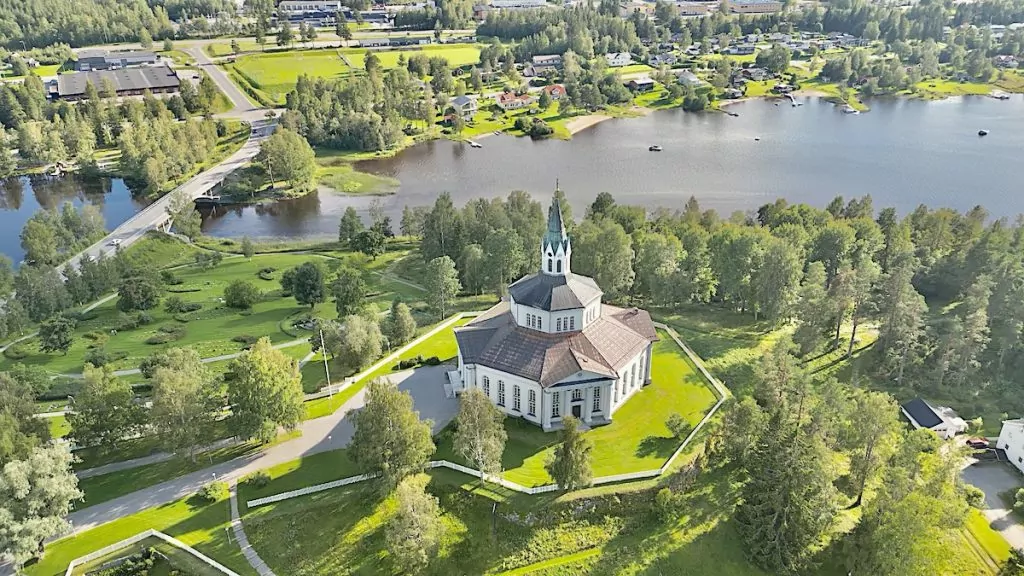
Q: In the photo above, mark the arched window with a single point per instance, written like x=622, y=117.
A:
x=549, y=264
x=559, y=266
x=558, y=325
x=487, y=386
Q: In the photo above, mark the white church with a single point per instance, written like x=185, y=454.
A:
x=552, y=348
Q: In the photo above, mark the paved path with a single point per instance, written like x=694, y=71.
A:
x=328, y=433
x=146, y=460
x=994, y=478
x=242, y=540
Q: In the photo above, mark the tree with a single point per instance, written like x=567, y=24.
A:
x=242, y=294
x=56, y=334
x=248, y=250
x=306, y=283
x=442, y=230
x=473, y=268
x=813, y=309
x=656, y=265
x=414, y=532
x=776, y=278
x=678, y=426
x=342, y=28
x=401, y=326
x=39, y=241
x=389, y=435
x=862, y=292
x=503, y=257
x=145, y=39
x=186, y=401
x=265, y=392
x=743, y=424
x=168, y=44
x=35, y=498
x=603, y=250
x=370, y=242
x=869, y=435
x=286, y=155
x=285, y=36
x=137, y=293
x=349, y=290
x=22, y=430
x=350, y=226
x=105, y=412
x=570, y=465
x=185, y=219
x=442, y=283
x=775, y=59
x=480, y=432
x=901, y=310
x=359, y=343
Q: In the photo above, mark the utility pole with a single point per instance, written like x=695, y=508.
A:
x=323, y=350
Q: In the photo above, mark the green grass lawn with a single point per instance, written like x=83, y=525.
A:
x=456, y=54
x=637, y=438
x=59, y=426
x=337, y=173
x=200, y=526
x=989, y=541
x=936, y=88
x=632, y=69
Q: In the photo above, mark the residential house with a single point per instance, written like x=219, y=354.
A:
x=687, y=78
x=754, y=6
x=547, y=61
x=1011, y=441
x=667, y=59
x=732, y=94
x=739, y=49
x=512, y=101
x=943, y=421
x=756, y=74
x=618, y=59
x=1005, y=61
x=517, y=4
x=783, y=88
x=627, y=9
x=464, y=106
x=642, y=84
x=692, y=9
x=555, y=91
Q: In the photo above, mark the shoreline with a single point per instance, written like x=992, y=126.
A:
x=581, y=123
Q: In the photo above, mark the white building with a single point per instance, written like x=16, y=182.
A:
x=510, y=4
x=303, y=6
x=616, y=59
x=552, y=348
x=942, y=420
x=1011, y=441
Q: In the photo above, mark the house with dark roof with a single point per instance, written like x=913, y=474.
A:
x=941, y=420
x=104, y=60
x=552, y=348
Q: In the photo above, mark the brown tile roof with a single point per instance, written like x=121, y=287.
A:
x=604, y=347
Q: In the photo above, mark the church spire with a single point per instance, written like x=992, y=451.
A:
x=555, y=247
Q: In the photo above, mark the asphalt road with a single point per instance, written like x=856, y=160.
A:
x=994, y=478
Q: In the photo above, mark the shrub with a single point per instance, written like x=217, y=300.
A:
x=432, y=361
x=167, y=333
x=242, y=294
x=175, y=305
x=258, y=479
x=170, y=278
x=143, y=318
x=975, y=496
x=678, y=426
x=172, y=329
x=212, y=492
x=101, y=357
x=1018, y=504
x=95, y=336
x=16, y=352
x=61, y=388
x=183, y=290
x=246, y=339
x=665, y=503
x=267, y=273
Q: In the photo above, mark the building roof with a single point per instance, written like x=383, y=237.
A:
x=555, y=235
x=553, y=292
x=125, y=79
x=554, y=88
x=922, y=413
x=461, y=101
x=603, y=347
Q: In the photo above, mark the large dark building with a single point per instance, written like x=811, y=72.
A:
x=103, y=60
x=126, y=82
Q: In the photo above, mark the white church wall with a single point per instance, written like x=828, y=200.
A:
x=510, y=381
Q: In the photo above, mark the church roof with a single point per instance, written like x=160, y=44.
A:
x=555, y=234
x=555, y=292
x=604, y=347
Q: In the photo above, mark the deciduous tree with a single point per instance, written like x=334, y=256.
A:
x=603, y=250
x=401, y=326
x=56, y=334
x=359, y=342
x=389, y=435
x=186, y=399
x=105, y=412
x=570, y=464
x=242, y=294
x=349, y=290
x=442, y=283
x=350, y=225
x=287, y=156
x=414, y=532
x=265, y=392
x=480, y=431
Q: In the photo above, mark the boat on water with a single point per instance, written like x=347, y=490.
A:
x=475, y=144
x=1000, y=95
x=982, y=132
x=654, y=148
x=850, y=110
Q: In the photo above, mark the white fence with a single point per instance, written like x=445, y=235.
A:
x=720, y=391
x=139, y=538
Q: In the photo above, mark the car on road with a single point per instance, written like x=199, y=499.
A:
x=115, y=242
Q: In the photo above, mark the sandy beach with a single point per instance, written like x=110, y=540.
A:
x=581, y=123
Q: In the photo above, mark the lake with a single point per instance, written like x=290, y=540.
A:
x=904, y=153
x=23, y=196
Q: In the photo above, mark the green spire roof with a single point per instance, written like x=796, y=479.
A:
x=555, y=236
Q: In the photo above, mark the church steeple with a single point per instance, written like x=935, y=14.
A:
x=555, y=247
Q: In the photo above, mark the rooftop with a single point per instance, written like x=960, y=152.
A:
x=125, y=79
x=553, y=292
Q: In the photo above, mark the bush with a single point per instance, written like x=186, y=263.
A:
x=432, y=361
x=101, y=357
x=665, y=503
x=212, y=492
x=678, y=426
x=408, y=363
x=95, y=336
x=1018, y=504
x=16, y=352
x=258, y=479
x=242, y=294
x=246, y=339
x=183, y=290
x=267, y=273
x=175, y=305
x=167, y=333
x=170, y=278
x=177, y=329
x=975, y=496
x=61, y=388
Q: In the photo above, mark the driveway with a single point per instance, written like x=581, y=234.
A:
x=426, y=385
x=994, y=478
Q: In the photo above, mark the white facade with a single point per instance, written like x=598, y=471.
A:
x=1011, y=441
x=298, y=6
x=617, y=59
x=517, y=3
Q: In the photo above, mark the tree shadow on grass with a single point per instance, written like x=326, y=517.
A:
x=657, y=446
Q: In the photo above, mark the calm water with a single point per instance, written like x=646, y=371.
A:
x=903, y=153
x=22, y=197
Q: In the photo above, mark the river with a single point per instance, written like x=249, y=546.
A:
x=21, y=197
x=904, y=153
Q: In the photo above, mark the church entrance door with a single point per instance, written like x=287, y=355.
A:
x=577, y=411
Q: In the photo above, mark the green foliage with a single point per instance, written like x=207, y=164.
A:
x=678, y=426
x=258, y=479
x=414, y=532
x=105, y=412
x=288, y=156
x=22, y=430
x=138, y=293
x=389, y=435
x=358, y=343
x=665, y=503
x=306, y=283
x=212, y=492
x=265, y=390
x=56, y=334
x=242, y=294
x=349, y=226
x=400, y=326
x=370, y=242
x=570, y=465
x=442, y=283
x=480, y=431
x=974, y=496
x=186, y=401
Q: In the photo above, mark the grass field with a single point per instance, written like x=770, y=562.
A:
x=637, y=438
x=336, y=173
x=943, y=88
x=59, y=426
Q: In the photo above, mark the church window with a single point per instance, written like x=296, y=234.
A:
x=540, y=323
x=559, y=265
x=597, y=399
x=501, y=392
x=549, y=264
x=487, y=386
x=577, y=394
x=556, y=398
x=632, y=376
x=572, y=322
x=515, y=398
x=558, y=325
x=531, y=405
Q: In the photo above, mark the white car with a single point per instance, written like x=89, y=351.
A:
x=115, y=242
